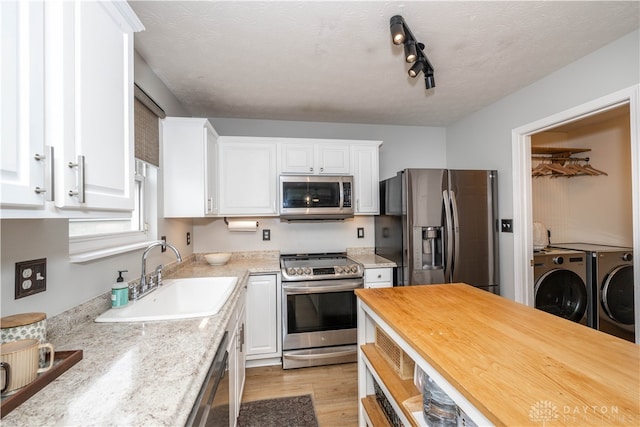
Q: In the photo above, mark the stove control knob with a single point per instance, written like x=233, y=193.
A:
x=339, y=270
x=299, y=270
x=558, y=260
x=307, y=271
x=354, y=268
x=291, y=271
x=627, y=257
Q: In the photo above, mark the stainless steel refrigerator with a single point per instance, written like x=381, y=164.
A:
x=440, y=226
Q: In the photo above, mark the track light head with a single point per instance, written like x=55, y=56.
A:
x=410, y=51
x=429, y=80
x=397, y=29
x=416, y=68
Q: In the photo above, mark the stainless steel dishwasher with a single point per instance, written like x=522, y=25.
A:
x=211, y=408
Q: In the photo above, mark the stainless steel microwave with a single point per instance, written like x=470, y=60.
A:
x=306, y=197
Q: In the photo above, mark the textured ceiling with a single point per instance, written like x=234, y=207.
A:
x=334, y=61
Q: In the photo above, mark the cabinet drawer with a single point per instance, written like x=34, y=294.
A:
x=372, y=275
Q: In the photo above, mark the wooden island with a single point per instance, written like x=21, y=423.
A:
x=503, y=363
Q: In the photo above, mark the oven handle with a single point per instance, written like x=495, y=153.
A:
x=313, y=288
x=320, y=355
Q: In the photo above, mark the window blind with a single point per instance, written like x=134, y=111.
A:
x=147, y=129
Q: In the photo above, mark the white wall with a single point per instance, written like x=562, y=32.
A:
x=286, y=237
x=71, y=284
x=483, y=139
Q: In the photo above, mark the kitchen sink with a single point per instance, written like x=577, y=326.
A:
x=176, y=299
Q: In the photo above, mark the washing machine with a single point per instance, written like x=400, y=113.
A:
x=560, y=277
x=611, y=278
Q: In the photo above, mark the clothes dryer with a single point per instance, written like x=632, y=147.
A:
x=561, y=289
x=611, y=278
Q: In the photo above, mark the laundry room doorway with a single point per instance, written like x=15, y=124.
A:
x=543, y=136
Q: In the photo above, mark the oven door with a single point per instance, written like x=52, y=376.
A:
x=320, y=322
x=319, y=313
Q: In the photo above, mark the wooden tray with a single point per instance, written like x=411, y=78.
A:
x=63, y=360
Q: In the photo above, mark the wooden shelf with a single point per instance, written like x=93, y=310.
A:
x=558, y=151
x=401, y=390
x=374, y=412
x=63, y=360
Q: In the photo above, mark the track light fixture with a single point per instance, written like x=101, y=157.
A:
x=413, y=50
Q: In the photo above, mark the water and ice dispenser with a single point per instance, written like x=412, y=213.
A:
x=428, y=247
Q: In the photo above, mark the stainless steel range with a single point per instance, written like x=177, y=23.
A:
x=319, y=309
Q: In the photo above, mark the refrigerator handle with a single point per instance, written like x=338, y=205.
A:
x=456, y=234
x=448, y=239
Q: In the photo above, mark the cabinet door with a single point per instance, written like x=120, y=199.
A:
x=234, y=404
x=89, y=103
x=241, y=357
x=365, y=179
x=297, y=158
x=247, y=177
x=236, y=362
x=211, y=169
x=189, y=167
x=333, y=158
x=262, y=316
x=22, y=104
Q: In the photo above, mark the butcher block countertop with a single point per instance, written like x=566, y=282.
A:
x=517, y=365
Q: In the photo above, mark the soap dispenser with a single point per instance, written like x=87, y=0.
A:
x=120, y=291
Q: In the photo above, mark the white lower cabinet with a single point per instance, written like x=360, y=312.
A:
x=237, y=355
x=263, y=320
x=378, y=278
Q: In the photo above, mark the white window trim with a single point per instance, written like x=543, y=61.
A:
x=89, y=248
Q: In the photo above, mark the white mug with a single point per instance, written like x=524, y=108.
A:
x=20, y=361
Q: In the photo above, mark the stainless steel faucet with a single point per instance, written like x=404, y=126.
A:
x=143, y=286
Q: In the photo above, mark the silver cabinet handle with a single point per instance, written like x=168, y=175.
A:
x=79, y=192
x=48, y=173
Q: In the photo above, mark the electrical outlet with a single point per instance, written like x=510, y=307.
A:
x=31, y=277
x=266, y=234
x=506, y=225
x=188, y=238
x=163, y=248
x=360, y=232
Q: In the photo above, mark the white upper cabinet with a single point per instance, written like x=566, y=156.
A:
x=67, y=89
x=365, y=170
x=189, y=167
x=247, y=176
x=315, y=157
x=89, y=102
x=22, y=162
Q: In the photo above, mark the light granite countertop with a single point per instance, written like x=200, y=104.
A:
x=136, y=374
x=371, y=260
x=143, y=373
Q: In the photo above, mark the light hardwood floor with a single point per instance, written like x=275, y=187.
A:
x=334, y=389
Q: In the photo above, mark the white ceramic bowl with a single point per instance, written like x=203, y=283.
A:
x=220, y=258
